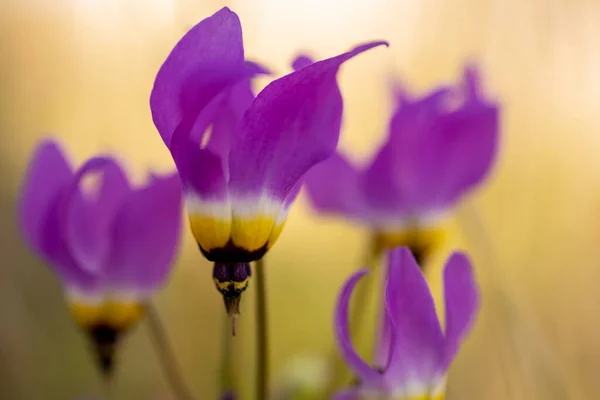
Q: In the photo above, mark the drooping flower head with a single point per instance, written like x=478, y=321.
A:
x=241, y=158
x=418, y=352
x=112, y=245
x=439, y=146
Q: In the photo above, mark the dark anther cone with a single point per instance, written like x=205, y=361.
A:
x=105, y=340
x=231, y=280
x=420, y=253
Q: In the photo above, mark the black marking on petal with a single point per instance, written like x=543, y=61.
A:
x=230, y=253
x=105, y=340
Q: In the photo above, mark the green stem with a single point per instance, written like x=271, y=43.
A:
x=262, y=334
x=228, y=378
x=339, y=372
x=166, y=355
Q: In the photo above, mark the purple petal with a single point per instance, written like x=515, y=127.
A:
x=462, y=302
x=461, y=149
x=347, y=394
x=333, y=186
x=293, y=124
x=302, y=61
x=90, y=214
x=42, y=214
x=383, y=346
x=363, y=371
x=472, y=83
x=145, y=237
x=204, y=61
x=55, y=249
x=47, y=173
x=392, y=183
x=202, y=172
x=255, y=69
x=419, y=343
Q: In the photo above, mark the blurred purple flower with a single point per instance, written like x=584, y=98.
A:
x=439, y=146
x=241, y=158
x=418, y=353
x=112, y=245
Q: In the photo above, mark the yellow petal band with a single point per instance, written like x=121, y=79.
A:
x=250, y=234
x=118, y=315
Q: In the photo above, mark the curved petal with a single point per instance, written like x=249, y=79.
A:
x=90, y=212
x=391, y=183
x=292, y=124
x=47, y=173
x=146, y=237
x=461, y=149
x=333, y=187
x=347, y=394
x=55, y=249
x=363, y=371
x=302, y=61
x=202, y=63
x=418, y=340
x=462, y=302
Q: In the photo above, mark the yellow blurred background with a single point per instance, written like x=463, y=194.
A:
x=82, y=70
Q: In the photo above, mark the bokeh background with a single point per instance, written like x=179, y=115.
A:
x=82, y=71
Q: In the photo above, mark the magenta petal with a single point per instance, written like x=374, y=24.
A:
x=333, y=186
x=462, y=302
x=204, y=61
x=293, y=124
x=90, y=212
x=363, y=371
x=418, y=340
x=47, y=173
x=145, y=237
x=463, y=146
x=302, y=61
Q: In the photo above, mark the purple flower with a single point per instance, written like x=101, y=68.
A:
x=439, y=146
x=111, y=244
x=241, y=158
x=241, y=175
x=418, y=352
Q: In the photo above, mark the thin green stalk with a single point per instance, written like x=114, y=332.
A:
x=228, y=376
x=166, y=355
x=340, y=375
x=262, y=333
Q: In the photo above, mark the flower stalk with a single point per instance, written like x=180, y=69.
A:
x=262, y=333
x=166, y=355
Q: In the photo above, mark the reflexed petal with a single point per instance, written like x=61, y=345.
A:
x=255, y=69
x=333, y=186
x=462, y=302
x=47, y=173
x=145, y=237
x=364, y=372
x=90, y=212
x=347, y=394
x=55, y=250
x=293, y=124
x=418, y=340
x=208, y=58
x=385, y=340
x=461, y=148
x=302, y=61
x=378, y=185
